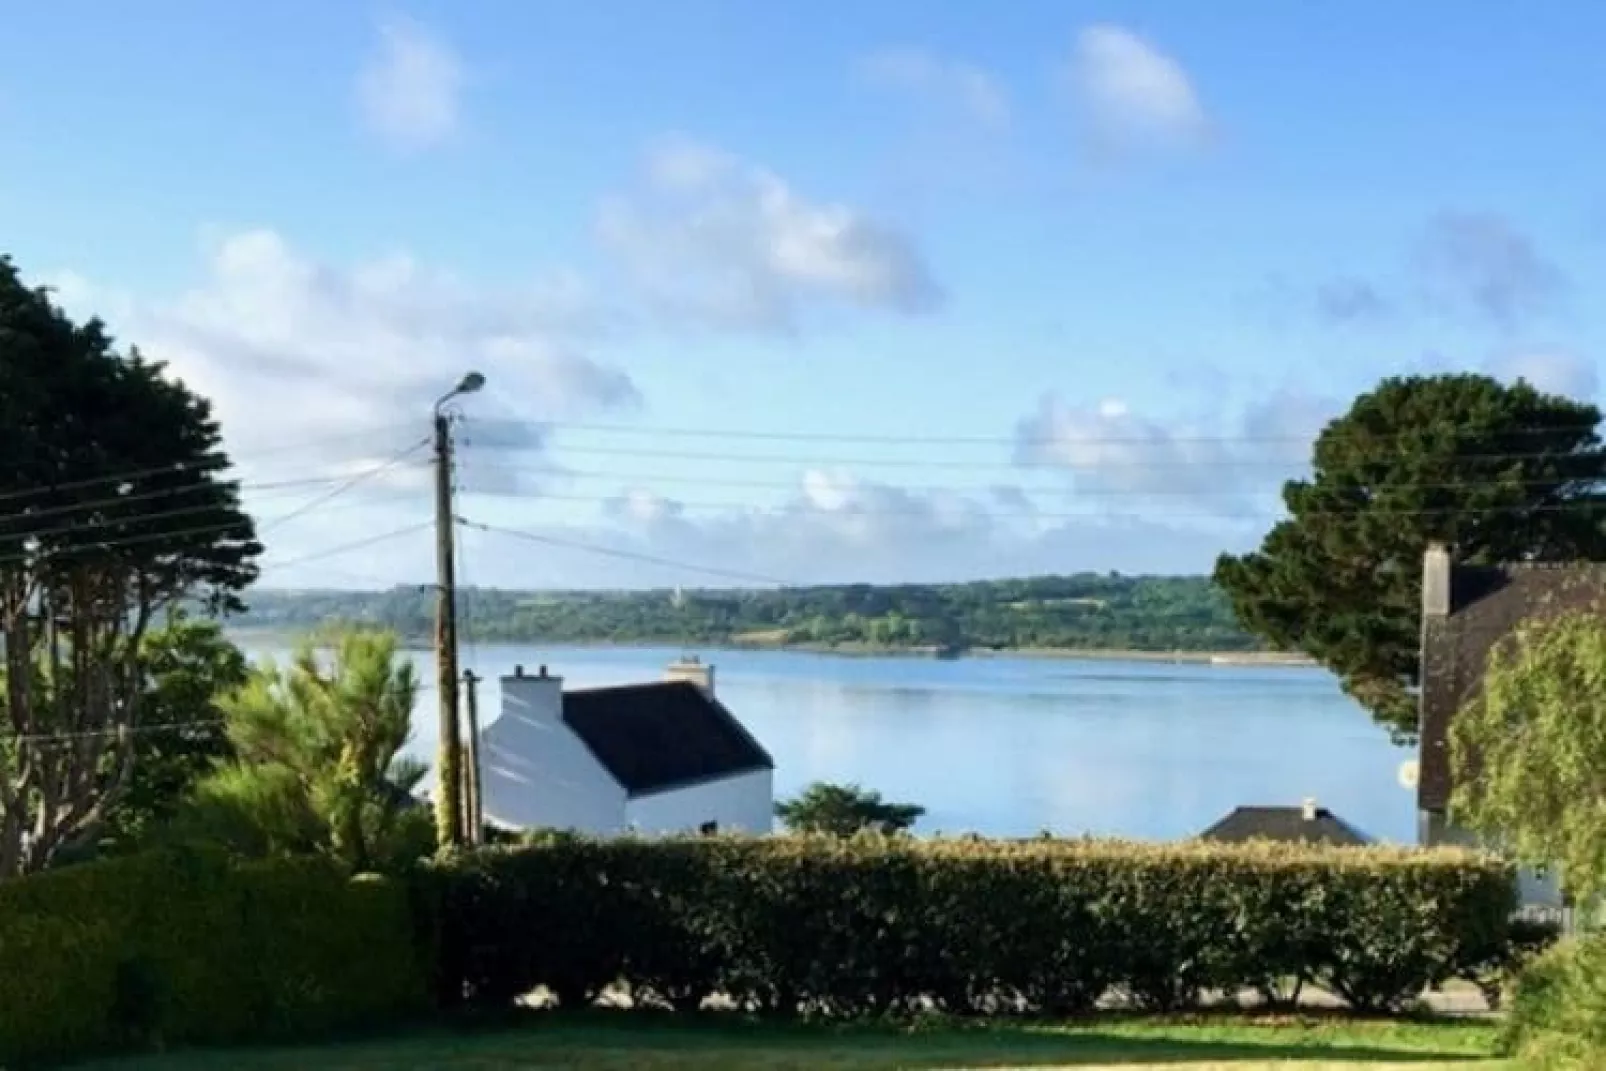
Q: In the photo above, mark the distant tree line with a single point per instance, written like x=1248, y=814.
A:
x=1103, y=611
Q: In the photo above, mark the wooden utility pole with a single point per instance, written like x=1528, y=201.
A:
x=448, y=767
x=473, y=807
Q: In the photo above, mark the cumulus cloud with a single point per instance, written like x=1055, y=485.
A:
x=715, y=240
x=1480, y=262
x=409, y=89
x=292, y=350
x=1132, y=95
x=1110, y=453
x=975, y=93
x=841, y=528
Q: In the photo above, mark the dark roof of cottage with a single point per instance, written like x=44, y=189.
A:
x=1285, y=824
x=1487, y=603
x=660, y=736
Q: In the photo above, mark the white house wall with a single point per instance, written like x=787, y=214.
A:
x=536, y=774
x=744, y=803
x=1536, y=891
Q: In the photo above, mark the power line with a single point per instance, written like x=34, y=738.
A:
x=208, y=463
x=670, y=431
x=220, y=528
x=167, y=492
x=728, y=457
x=612, y=552
x=346, y=548
x=354, y=481
x=796, y=507
x=131, y=520
x=561, y=473
x=68, y=736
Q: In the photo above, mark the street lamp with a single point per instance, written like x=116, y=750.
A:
x=469, y=384
x=450, y=821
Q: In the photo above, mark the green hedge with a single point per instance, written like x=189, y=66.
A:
x=180, y=947
x=869, y=926
x=1558, y=1017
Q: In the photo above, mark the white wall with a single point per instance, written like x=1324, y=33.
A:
x=535, y=773
x=744, y=803
x=1534, y=889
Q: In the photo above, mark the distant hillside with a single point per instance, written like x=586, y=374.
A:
x=1086, y=611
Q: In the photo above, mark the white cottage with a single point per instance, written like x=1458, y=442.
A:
x=657, y=758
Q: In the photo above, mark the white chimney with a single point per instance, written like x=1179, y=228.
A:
x=1309, y=809
x=534, y=698
x=692, y=669
x=1436, y=581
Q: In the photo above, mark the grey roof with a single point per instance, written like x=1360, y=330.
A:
x=1285, y=824
x=1487, y=603
x=660, y=736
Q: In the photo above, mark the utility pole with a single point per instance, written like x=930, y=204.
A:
x=473, y=806
x=448, y=767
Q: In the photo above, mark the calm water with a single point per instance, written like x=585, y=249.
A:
x=1010, y=747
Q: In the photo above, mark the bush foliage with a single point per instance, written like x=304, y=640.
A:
x=1558, y=1018
x=184, y=947
x=181, y=947
x=874, y=925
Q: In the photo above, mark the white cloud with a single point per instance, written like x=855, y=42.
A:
x=840, y=528
x=293, y=350
x=917, y=72
x=1130, y=462
x=718, y=241
x=1132, y=95
x=409, y=90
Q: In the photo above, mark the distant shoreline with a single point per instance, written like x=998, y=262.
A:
x=1250, y=659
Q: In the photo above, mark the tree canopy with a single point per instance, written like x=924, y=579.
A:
x=843, y=810
x=1529, y=753
x=1501, y=473
x=318, y=766
x=188, y=666
x=114, y=504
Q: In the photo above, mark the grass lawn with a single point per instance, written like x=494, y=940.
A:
x=623, y=1041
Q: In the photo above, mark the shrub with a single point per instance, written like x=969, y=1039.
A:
x=1495, y=974
x=179, y=946
x=873, y=925
x=1558, y=1014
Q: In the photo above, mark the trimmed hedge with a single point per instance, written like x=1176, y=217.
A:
x=870, y=926
x=1558, y=1016
x=180, y=947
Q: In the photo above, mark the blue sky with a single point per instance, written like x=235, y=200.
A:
x=1132, y=255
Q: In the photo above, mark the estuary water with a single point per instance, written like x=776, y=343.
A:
x=1016, y=746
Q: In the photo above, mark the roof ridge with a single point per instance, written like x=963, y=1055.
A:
x=634, y=686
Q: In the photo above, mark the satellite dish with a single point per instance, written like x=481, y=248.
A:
x=1410, y=771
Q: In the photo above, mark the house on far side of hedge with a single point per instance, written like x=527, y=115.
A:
x=1305, y=824
x=662, y=757
x=1466, y=611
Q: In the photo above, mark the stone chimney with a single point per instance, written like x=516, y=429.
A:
x=693, y=669
x=1309, y=809
x=1436, y=581
x=538, y=698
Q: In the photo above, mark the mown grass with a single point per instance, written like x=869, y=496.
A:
x=625, y=1041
